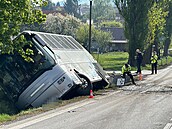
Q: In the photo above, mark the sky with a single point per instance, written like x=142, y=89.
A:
x=80, y=1
x=55, y=1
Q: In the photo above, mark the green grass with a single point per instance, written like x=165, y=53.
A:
x=112, y=60
x=115, y=60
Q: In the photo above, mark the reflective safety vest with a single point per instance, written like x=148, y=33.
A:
x=124, y=69
x=154, y=59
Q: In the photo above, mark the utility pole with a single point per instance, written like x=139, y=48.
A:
x=89, y=45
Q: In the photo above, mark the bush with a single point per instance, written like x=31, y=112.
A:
x=5, y=117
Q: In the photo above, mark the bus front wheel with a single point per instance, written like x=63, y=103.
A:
x=86, y=86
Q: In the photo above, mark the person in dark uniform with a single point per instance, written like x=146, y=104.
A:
x=126, y=69
x=139, y=58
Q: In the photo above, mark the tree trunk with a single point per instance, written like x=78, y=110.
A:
x=166, y=46
x=168, y=30
x=147, y=55
x=133, y=41
x=157, y=47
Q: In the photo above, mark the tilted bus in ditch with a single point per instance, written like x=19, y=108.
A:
x=60, y=64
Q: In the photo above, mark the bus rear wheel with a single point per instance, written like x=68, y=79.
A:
x=86, y=86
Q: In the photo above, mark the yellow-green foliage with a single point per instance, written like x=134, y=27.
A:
x=157, y=20
x=15, y=13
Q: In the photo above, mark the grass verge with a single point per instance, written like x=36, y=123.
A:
x=35, y=111
x=115, y=60
x=5, y=117
x=112, y=60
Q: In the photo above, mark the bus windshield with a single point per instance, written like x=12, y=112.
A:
x=16, y=74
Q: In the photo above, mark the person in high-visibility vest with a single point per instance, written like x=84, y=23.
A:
x=126, y=69
x=154, y=59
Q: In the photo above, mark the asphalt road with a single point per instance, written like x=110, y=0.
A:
x=145, y=106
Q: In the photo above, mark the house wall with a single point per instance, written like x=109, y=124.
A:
x=119, y=47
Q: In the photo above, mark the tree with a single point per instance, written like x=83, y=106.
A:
x=82, y=34
x=103, y=39
x=156, y=28
x=49, y=6
x=134, y=13
x=71, y=7
x=58, y=4
x=103, y=10
x=33, y=27
x=59, y=24
x=100, y=37
x=13, y=15
x=157, y=20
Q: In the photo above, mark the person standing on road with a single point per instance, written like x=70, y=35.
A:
x=126, y=69
x=139, y=58
x=154, y=59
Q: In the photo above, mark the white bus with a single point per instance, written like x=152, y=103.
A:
x=60, y=65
